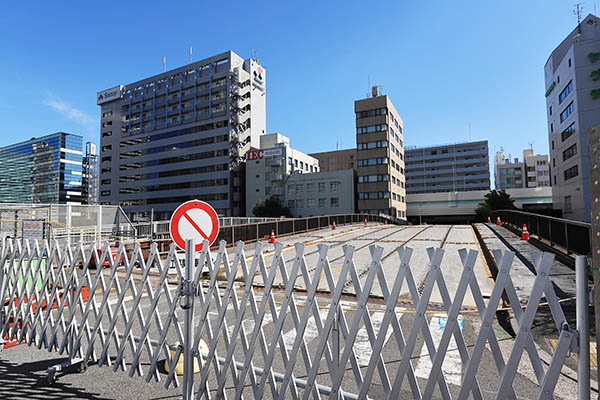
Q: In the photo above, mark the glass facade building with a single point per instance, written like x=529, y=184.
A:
x=42, y=170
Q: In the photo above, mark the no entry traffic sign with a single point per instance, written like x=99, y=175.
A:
x=194, y=219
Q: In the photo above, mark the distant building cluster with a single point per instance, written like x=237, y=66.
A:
x=199, y=132
x=51, y=169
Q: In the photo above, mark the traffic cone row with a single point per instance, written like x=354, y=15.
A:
x=365, y=221
x=525, y=234
x=272, y=239
x=333, y=227
x=498, y=222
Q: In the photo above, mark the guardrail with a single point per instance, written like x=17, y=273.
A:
x=573, y=236
x=256, y=231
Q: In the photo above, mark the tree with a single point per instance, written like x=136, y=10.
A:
x=272, y=207
x=495, y=200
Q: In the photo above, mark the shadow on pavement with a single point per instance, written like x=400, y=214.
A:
x=28, y=381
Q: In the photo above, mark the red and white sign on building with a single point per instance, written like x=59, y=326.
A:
x=194, y=219
x=255, y=154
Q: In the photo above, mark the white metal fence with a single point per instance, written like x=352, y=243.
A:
x=129, y=312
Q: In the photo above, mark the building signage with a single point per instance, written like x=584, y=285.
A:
x=260, y=154
x=91, y=148
x=109, y=95
x=259, y=78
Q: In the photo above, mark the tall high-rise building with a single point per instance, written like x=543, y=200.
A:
x=182, y=135
x=89, y=177
x=448, y=168
x=380, y=153
x=572, y=76
x=42, y=170
x=533, y=171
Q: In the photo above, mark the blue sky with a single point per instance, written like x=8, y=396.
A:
x=447, y=66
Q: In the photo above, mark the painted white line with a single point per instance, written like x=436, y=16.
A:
x=310, y=333
x=452, y=365
x=362, y=345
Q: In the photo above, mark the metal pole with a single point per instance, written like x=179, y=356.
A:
x=188, y=361
x=583, y=327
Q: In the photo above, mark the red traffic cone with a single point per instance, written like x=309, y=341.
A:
x=365, y=221
x=489, y=220
x=525, y=234
x=272, y=239
x=498, y=221
x=386, y=221
x=333, y=227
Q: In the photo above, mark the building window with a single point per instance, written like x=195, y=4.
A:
x=571, y=172
x=334, y=186
x=107, y=133
x=553, y=145
x=554, y=162
x=568, y=203
x=373, y=145
x=373, y=195
x=569, y=63
x=570, y=152
x=105, y=182
x=566, y=112
x=551, y=127
x=550, y=110
x=105, y=193
x=310, y=187
x=310, y=203
x=567, y=133
x=372, y=161
x=335, y=202
x=300, y=203
x=563, y=95
x=291, y=203
x=106, y=114
x=371, y=128
x=267, y=190
x=372, y=113
x=291, y=188
x=322, y=203
x=106, y=159
x=106, y=170
x=321, y=186
x=300, y=188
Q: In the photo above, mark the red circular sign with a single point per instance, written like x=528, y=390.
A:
x=194, y=219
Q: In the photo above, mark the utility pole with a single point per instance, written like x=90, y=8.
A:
x=594, y=148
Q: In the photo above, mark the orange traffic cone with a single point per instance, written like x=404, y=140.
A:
x=365, y=221
x=525, y=234
x=489, y=220
x=333, y=227
x=272, y=239
x=498, y=221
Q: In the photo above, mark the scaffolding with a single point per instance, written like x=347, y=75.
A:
x=65, y=222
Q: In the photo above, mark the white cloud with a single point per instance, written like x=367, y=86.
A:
x=79, y=117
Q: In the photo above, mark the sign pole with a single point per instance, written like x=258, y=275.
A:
x=188, y=292
x=594, y=149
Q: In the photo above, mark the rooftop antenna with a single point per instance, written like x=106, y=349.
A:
x=164, y=63
x=190, y=54
x=531, y=145
x=337, y=146
x=577, y=11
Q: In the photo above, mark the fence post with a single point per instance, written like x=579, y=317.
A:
x=188, y=306
x=583, y=328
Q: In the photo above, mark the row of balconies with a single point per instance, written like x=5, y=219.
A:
x=458, y=178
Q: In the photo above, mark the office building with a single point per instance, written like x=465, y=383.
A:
x=380, y=156
x=42, y=170
x=89, y=178
x=448, y=168
x=182, y=135
x=572, y=77
x=269, y=166
x=533, y=171
x=336, y=160
x=321, y=193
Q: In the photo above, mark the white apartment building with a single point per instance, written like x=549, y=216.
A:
x=533, y=171
x=269, y=166
x=572, y=77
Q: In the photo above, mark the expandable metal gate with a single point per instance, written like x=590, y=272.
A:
x=51, y=298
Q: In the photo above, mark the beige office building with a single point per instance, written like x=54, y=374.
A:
x=380, y=153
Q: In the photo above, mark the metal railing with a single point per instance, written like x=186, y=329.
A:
x=573, y=236
x=291, y=226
